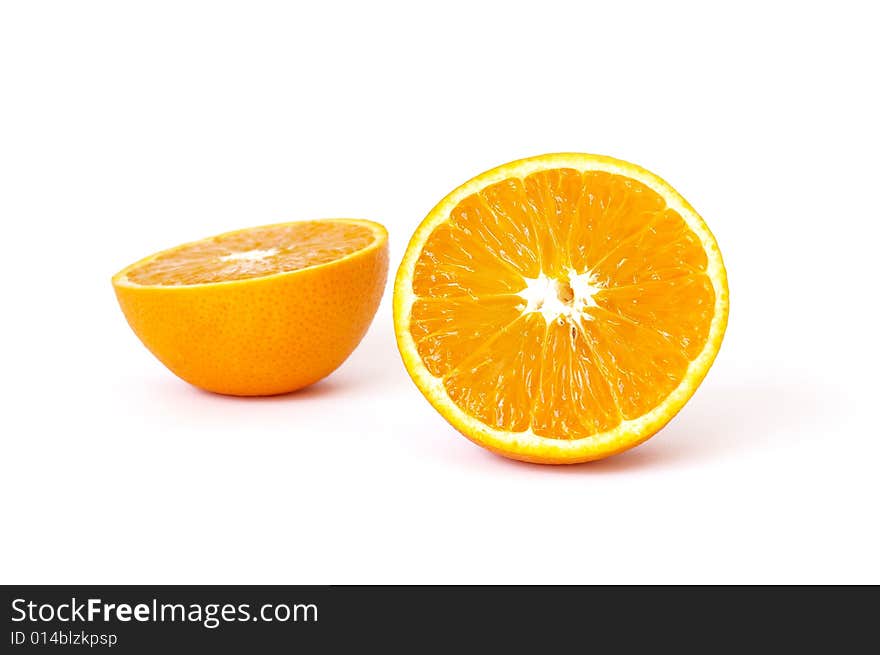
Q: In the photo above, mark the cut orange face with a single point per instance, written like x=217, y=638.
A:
x=260, y=311
x=561, y=308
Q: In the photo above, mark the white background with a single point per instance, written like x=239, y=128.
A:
x=130, y=127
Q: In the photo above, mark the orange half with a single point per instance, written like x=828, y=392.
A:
x=561, y=308
x=261, y=311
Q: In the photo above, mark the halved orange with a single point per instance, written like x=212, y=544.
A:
x=261, y=311
x=561, y=308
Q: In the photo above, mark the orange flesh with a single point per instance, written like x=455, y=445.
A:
x=254, y=253
x=623, y=302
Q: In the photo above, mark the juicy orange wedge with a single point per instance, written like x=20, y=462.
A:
x=561, y=308
x=260, y=311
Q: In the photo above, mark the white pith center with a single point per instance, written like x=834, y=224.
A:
x=567, y=298
x=250, y=255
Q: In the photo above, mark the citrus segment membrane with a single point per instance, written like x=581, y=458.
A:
x=561, y=303
x=254, y=253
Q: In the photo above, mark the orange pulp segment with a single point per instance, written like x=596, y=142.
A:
x=561, y=308
x=254, y=253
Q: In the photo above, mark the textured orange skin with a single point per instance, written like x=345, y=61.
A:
x=260, y=336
